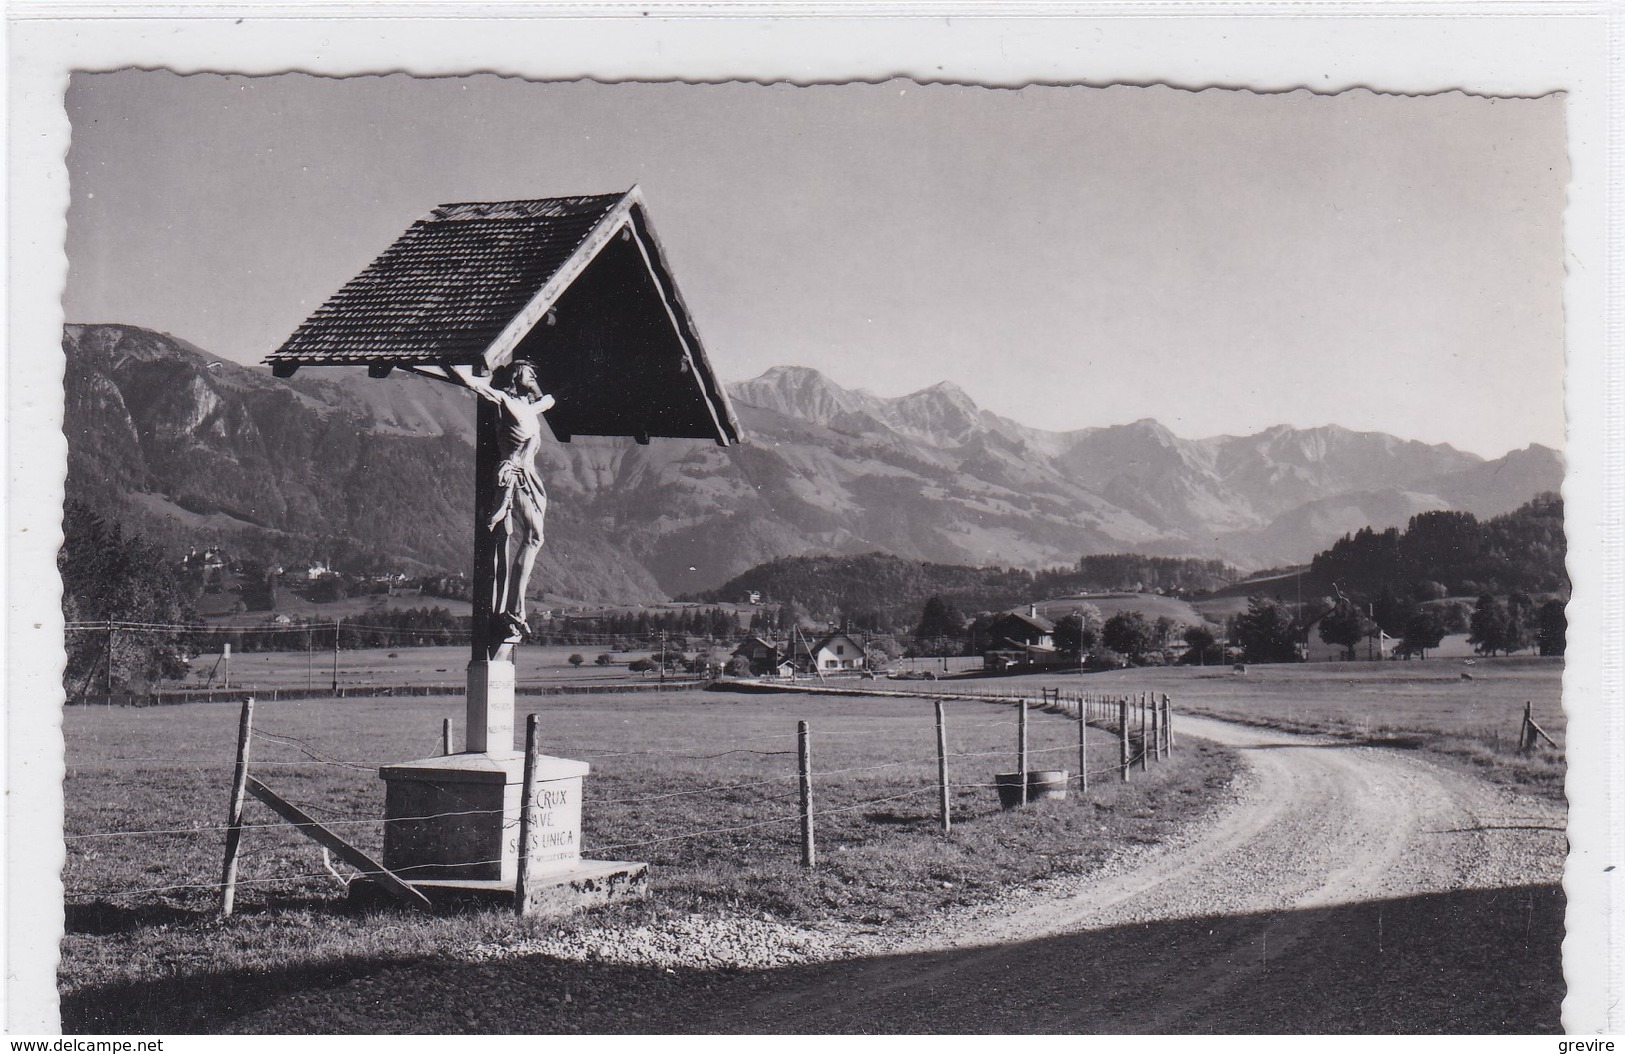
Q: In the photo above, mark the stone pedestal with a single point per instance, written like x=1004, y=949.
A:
x=453, y=817
x=451, y=828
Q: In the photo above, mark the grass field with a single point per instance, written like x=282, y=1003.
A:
x=1150, y=605
x=700, y=785
x=1420, y=704
x=361, y=668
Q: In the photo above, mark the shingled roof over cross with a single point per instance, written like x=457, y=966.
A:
x=578, y=285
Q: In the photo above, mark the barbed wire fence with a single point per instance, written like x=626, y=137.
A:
x=779, y=793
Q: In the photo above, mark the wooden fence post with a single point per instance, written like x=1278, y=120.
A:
x=1168, y=720
x=110, y=665
x=1083, y=751
x=234, y=812
x=445, y=736
x=804, y=758
x=527, y=803
x=1531, y=729
x=1145, y=744
x=1122, y=729
x=1021, y=748
x=1156, y=727
x=942, y=769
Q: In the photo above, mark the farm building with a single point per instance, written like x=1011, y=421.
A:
x=1021, y=640
x=763, y=656
x=1316, y=650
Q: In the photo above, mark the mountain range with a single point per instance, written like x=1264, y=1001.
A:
x=192, y=449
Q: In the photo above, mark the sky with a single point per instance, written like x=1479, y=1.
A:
x=1072, y=257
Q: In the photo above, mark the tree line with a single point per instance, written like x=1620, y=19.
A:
x=881, y=593
x=1441, y=554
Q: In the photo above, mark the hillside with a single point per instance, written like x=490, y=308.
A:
x=378, y=473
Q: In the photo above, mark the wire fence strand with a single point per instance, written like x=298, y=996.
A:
x=1077, y=709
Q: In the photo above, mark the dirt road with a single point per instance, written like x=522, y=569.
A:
x=1346, y=889
x=1343, y=889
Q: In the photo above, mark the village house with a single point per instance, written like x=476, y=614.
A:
x=839, y=651
x=763, y=656
x=1021, y=641
x=210, y=559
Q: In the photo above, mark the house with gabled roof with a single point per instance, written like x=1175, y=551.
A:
x=763, y=656
x=1021, y=640
x=839, y=651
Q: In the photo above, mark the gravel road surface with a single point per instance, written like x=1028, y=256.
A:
x=1347, y=889
x=1344, y=889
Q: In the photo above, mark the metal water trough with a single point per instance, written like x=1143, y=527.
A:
x=1044, y=783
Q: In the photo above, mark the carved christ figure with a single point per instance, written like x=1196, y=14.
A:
x=521, y=501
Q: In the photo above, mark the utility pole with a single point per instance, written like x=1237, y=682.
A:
x=662, y=656
x=109, y=658
x=336, y=623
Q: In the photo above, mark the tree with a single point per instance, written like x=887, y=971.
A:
x=880, y=652
x=1423, y=630
x=577, y=659
x=1427, y=589
x=604, y=659
x=1521, y=623
x=1070, y=634
x=941, y=629
x=1488, y=626
x=640, y=666
x=1390, y=612
x=939, y=618
x=789, y=616
x=1201, y=642
x=1266, y=632
x=1345, y=627
x=1128, y=633
x=1553, y=628
x=108, y=575
x=1079, y=632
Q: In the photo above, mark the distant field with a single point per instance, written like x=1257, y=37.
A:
x=1422, y=703
x=1150, y=605
x=393, y=667
x=216, y=608
x=1217, y=609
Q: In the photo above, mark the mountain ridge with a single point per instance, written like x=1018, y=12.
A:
x=382, y=469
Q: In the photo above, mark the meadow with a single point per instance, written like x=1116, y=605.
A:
x=364, y=668
x=1421, y=704
x=702, y=785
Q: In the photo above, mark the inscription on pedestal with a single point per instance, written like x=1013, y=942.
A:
x=490, y=706
x=555, y=842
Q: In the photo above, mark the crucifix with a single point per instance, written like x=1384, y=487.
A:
x=560, y=315
x=510, y=503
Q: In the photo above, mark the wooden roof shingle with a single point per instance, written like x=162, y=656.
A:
x=476, y=283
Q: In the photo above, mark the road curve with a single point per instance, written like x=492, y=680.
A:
x=1347, y=888
x=1342, y=888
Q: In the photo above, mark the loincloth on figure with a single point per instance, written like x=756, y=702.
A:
x=520, y=495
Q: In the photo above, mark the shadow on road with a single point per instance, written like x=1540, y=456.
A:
x=1478, y=961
